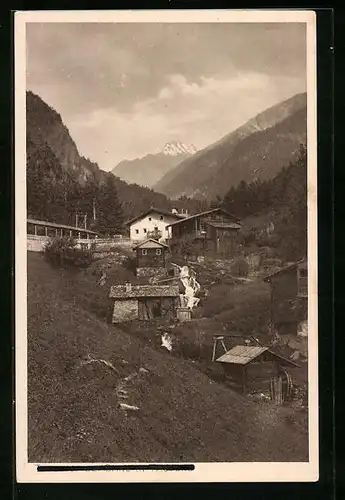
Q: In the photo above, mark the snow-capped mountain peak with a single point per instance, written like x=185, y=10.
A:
x=177, y=148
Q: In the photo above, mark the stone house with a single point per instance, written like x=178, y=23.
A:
x=144, y=302
x=153, y=220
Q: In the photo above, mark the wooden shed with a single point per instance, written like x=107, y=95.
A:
x=151, y=258
x=289, y=296
x=252, y=367
x=144, y=302
x=214, y=231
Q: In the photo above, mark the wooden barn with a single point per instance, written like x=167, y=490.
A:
x=215, y=231
x=151, y=258
x=144, y=302
x=289, y=297
x=253, y=367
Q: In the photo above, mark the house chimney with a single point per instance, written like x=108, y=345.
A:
x=128, y=286
x=183, y=212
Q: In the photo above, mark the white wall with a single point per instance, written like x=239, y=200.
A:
x=137, y=232
x=36, y=243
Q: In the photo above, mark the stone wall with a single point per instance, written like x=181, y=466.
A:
x=36, y=243
x=125, y=310
x=148, y=272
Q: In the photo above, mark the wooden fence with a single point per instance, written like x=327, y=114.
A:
x=36, y=243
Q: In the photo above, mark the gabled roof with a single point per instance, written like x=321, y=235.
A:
x=159, y=211
x=58, y=226
x=289, y=267
x=213, y=210
x=136, y=291
x=150, y=243
x=242, y=355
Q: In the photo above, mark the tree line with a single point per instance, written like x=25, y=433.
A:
x=57, y=194
x=285, y=198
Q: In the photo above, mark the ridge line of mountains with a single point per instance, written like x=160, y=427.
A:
x=258, y=150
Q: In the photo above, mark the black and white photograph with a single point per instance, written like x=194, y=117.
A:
x=166, y=246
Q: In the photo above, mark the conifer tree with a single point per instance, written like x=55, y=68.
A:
x=109, y=215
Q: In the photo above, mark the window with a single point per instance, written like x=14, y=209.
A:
x=137, y=231
x=145, y=231
x=144, y=251
x=302, y=279
x=158, y=251
x=161, y=217
x=150, y=219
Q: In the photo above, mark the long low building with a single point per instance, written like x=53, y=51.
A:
x=39, y=232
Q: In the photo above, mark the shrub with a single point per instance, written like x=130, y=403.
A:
x=240, y=267
x=155, y=234
x=130, y=263
x=186, y=248
x=62, y=251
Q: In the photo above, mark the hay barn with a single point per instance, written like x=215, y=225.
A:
x=144, y=302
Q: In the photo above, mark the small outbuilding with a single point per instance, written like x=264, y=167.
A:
x=144, y=302
x=289, y=297
x=253, y=367
x=151, y=258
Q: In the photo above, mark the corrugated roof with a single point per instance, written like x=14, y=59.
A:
x=135, y=291
x=241, y=354
x=150, y=243
x=204, y=213
x=60, y=226
x=159, y=211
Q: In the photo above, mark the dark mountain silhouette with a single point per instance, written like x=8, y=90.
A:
x=61, y=181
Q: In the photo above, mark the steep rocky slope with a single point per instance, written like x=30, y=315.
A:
x=258, y=149
x=53, y=156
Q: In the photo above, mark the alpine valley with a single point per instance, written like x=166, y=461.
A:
x=147, y=171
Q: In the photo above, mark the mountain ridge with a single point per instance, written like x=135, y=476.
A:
x=149, y=169
x=56, y=170
x=193, y=177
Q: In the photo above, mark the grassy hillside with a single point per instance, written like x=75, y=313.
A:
x=73, y=402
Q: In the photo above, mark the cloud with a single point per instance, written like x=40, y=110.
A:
x=124, y=90
x=194, y=113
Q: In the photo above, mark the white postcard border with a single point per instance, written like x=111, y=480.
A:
x=204, y=472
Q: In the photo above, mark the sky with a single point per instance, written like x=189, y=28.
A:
x=124, y=90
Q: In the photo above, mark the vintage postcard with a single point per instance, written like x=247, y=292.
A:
x=166, y=246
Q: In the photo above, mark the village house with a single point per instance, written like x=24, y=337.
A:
x=289, y=297
x=151, y=258
x=214, y=231
x=154, y=220
x=144, y=302
x=253, y=367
